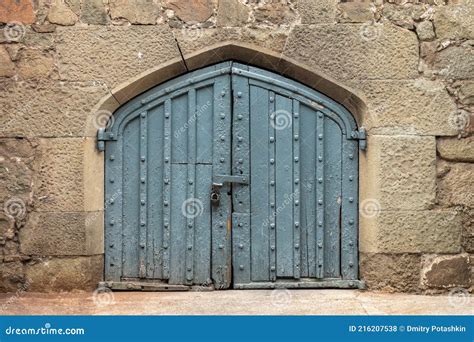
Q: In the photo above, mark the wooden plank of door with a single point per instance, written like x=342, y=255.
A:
x=259, y=187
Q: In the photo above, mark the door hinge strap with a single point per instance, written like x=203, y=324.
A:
x=102, y=137
x=360, y=135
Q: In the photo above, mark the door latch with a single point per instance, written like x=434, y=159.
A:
x=218, y=182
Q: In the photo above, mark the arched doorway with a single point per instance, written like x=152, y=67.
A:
x=231, y=176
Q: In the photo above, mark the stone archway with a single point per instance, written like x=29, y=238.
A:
x=263, y=58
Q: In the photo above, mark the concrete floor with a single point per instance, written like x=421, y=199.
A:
x=232, y=302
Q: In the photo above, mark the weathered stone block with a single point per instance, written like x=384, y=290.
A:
x=61, y=14
x=93, y=12
x=403, y=16
x=454, y=21
x=232, y=13
x=62, y=234
x=274, y=13
x=7, y=68
x=59, y=184
x=356, y=12
x=425, y=30
x=390, y=272
x=317, y=12
x=16, y=172
x=359, y=52
x=419, y=107
x=65, y=274
x=427, y=231
x=456, y=149
x=190, y=41
x=47, y=108
x=112, y=54
x=135, y=11
x=191, y=11
x=17, y=11
x=445, y=271
x=456, y=185
x=455, y=62
x=402, y=172
x=35, y=64
x=466, y=93
x=12, y=276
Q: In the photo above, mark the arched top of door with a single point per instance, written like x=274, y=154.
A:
x=284, y=71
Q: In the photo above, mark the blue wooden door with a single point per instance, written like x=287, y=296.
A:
x=231, y=176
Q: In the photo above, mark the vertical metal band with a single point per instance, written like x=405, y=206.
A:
x=143, y=194
x=349, y=229
x=191, y=184
x=320, y=195
x=272, y=192
x=296, y=192
x=166, y=189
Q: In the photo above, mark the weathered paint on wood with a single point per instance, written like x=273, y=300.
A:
x=293, y=221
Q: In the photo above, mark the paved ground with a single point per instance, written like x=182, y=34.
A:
x=252, y=302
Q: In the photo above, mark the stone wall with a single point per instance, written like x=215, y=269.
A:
x=412, y=63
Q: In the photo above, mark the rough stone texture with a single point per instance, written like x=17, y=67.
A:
x=317, y=12
x=57, y=109
x=190, y=42
x=135, y=11
x=59, y=233
x=43, y=28
x=402, y=171
x=60, y=175
x=232, y=13
x=360, y=52
x=61, y=14
x=390, y=272
x=112, y=54
x=425, y=30
x=468, y=231
x=7, y=68
x=456, y=184
x=65, y=274
x=17, y=11
x=34, y=64
x=456, y=149
x=445, y=271
x=93, y=12
x=403, y=16
x=407, y=107
x=466, y=93
x=277, y=13
x=455, y=62
x=455, y=20
x=11, y=276
x=355, y=12
x=427, y=231
x=191, y=11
